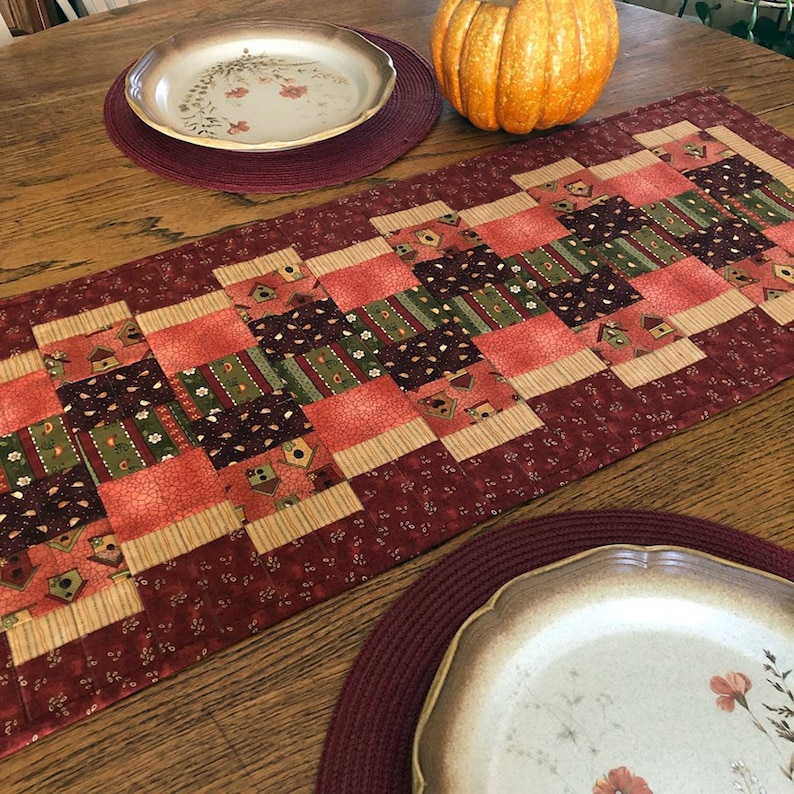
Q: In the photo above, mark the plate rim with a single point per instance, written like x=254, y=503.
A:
x=381, y=58
x=648, y=557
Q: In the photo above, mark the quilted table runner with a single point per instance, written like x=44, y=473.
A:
x=198, y=444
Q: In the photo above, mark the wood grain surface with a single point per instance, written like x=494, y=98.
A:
x=252, y=718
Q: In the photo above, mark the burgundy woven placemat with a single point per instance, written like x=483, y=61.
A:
x=401, y=124
x=368, y=745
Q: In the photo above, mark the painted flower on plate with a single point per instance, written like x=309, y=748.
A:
x=293, y=91
x=236, y=93
x=621, y=781
x=731, y=690
x=241, y=126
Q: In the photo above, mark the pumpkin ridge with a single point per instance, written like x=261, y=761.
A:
x=440, y=25
x=596, y=60
x=522, y=72
x=575, y=6
x=480, y=54
x=510, y=64
x=546, y=71
x=581, y=22
x=454, y=40
x=564, y=58
x=581, y=73
x=612, y=37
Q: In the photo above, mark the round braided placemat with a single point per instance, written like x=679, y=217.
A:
x=401, y=124
x=368, y=744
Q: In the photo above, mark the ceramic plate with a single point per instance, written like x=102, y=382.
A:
x=261, y=85
x=625, y=669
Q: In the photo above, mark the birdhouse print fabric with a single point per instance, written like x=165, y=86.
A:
x=199, y=444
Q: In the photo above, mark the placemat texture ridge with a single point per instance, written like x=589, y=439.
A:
x=369, y=742
x=405, y=120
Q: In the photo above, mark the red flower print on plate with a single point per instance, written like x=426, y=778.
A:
x=236, y=93
x=621, y=781
x=293, y=91
x=240, y=126
x=731, y=690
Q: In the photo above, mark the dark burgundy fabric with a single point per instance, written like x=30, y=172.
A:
x=368, y=745
x=401, y=124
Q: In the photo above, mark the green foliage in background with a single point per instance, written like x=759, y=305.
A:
x=765, y=31
x=705, y=11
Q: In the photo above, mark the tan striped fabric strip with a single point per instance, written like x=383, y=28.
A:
x=46, y=633
x=625, y=165
x=242, y=271
x=178, y=538
x=107, y=606
x=549, y=173
x=21, y=365
x=303, y=518
x=386, y=447
x=499, y=209
x=347, y=257
x=81, y=324
x=658, y=363
x=185, y=312
x=568, y=370
x=664, y=135
x=712, y=313
x=43, y=634
x=781, y=309
x=386, y=224
x=498, y=429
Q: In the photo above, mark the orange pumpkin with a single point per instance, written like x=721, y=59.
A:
x=520, y=65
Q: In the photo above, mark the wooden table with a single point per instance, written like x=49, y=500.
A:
x=253, y=717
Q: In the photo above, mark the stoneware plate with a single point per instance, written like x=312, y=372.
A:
x=624, y=669
x=260, y=85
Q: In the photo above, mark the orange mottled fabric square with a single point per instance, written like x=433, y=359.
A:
x=27, y=400
x=530, y=345
x=681, y=286
x=199, y=341
x=528, y=229
x=370, y=281
x=347, y=419
x=156, y=497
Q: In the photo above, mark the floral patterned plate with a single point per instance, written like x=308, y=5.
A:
x=624, y=669
x=260, y=85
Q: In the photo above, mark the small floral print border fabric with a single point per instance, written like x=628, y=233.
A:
x=201, y=443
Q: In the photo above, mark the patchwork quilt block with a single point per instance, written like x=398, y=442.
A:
x=277, y=413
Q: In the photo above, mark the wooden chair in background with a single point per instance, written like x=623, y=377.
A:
x=22, y=17
x=28, y=16
x=5, y=31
